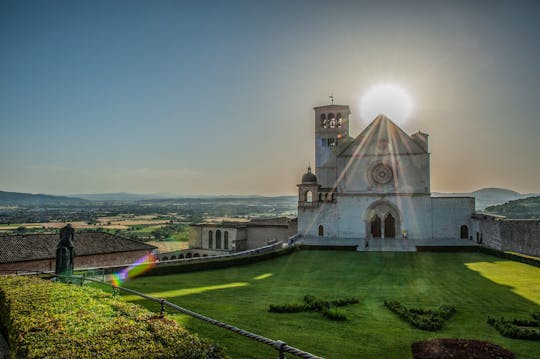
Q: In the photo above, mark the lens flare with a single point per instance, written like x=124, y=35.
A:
x=388, y=99
x=141, y=266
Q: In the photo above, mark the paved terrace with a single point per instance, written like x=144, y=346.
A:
x=383, y=244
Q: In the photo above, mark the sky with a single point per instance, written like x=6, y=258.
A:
x=217, y=97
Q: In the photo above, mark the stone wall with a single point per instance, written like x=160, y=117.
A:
x=511, y=235
x=81, y=262
x=259, y=236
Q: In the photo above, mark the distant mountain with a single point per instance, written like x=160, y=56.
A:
x=133, y=197
x=38, y=200
x=121, y=196
x=486, y=197
x=525, y=208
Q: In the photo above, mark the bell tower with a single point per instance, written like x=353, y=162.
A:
x=331, y=128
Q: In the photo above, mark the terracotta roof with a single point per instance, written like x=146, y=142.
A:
x=19, y=248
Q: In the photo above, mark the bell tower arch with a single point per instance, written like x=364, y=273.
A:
x=331, y=128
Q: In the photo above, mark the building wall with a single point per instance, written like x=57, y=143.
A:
x=347, y=217
x=410, y=174
x=449, y=214
x=259, y=236
x=233, y=233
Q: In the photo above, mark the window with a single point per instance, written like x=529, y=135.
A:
x=218, y=239
x=323, y=120
x=309, y=197
x=226, y=240
x=321, y=230
x=210, y=239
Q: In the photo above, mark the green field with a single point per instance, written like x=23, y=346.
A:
x=477, y=285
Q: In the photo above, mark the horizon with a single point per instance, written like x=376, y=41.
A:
x=216, y=98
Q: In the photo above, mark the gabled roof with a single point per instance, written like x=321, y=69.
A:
x=382, y=136
x=19, y=248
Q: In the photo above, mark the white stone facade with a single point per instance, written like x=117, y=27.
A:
x=376, y=185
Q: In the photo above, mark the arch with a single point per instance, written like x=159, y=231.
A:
x=464, y=232
x=165, y=258
x=389, y=217
x=173, y=258
x=375, y=226
x=180, y=256
x=389, y=226
x=218, y=239
x=188, y=255
x=210, y=239
x=308, y=196
x=323, y=120
x=205, y=255
x=196, y=255
x=320, y=197
x=321, y=230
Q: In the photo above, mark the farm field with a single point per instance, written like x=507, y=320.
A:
x=477, y=285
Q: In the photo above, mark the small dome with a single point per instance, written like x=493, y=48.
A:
x=309, y=177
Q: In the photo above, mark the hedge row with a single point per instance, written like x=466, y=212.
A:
x=43, y=319
x=422, y=318
x=517, y=328
x=328, y=308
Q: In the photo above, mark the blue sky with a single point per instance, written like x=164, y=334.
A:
x=216, y=97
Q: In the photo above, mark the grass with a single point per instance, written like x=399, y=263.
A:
x=478, y=286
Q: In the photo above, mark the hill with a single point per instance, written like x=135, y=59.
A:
x=8, y=199
x=486, y=197
x=525, y=208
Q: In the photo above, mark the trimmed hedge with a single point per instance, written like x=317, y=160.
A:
x=424, y=319
x=44, y=319
x=328, y=308
x=517, y=328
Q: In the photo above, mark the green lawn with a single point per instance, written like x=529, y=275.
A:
x=477, y=285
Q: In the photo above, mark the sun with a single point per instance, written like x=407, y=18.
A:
x=389, y=99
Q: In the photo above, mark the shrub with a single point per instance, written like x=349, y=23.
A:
x=43, y=319
x=425, y=319
x=311, y=303
x=516, y=328
x=334, y=313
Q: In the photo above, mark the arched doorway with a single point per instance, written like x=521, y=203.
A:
x=464, y=232
x=376, y=226
x=389, y=226
x=382, y=220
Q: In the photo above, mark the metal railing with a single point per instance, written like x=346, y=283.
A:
x=278, y=345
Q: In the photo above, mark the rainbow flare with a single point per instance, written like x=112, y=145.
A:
x=141, y=266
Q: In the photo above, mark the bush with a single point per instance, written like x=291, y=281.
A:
x=334, y=313
x=516, y=328
x=424, y=319
x=312, y=304
x=43, y=319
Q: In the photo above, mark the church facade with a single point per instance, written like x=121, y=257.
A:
x=376, y=185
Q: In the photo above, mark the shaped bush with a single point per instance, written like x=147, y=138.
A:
x=425, y=319
x=43, y=319
x=312, y=304
x=517, y=328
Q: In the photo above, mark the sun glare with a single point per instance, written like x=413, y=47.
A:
x=387, y=98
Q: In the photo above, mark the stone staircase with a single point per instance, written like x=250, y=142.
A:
x=387, y=245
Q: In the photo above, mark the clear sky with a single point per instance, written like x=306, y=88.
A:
x=216, y=97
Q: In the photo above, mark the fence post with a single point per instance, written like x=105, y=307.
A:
x=279, y=345
x=162, y=310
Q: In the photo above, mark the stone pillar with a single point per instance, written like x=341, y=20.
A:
x=65, y=252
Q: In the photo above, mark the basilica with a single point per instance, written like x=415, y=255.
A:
x=374, y=186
